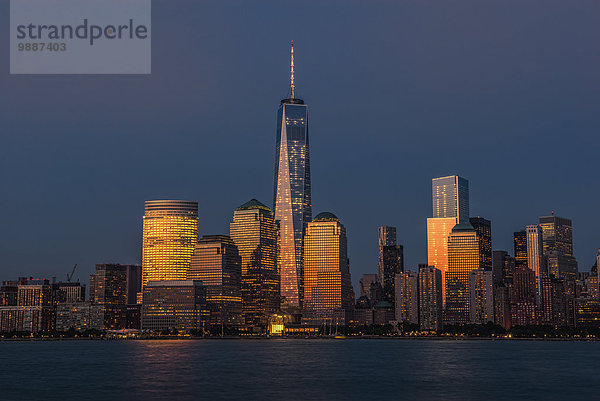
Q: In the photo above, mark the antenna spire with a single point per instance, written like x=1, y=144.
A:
x=292, y=71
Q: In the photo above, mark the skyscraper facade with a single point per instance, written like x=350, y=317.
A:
x=483, y=227
x=430, y=298
x=450, y=200
x=254, y=232
x=407, y=297
x=170, y=233
x=481, y=297
x=390, y=263
x=535, y=255
x=557, y=235
x=328, y=289
x=520, y=245
x=108, y=288
x=292, y=194
x=216, y=263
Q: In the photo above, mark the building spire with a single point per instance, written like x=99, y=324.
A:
x=292, y=72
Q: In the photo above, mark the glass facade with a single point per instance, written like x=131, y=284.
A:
x=170, y=233
x=438, y=230
x=390, y=263
x=451, y=198
x=557, y=239
x=484, y=233
x=254, y=231
x=520, y=244
x=535, y=257
x=430, y=298
x=292, y=195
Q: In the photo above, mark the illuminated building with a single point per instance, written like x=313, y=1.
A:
x=483, y=227
x=522, y=296
x=450, y=198
x=430, y=298
x=502, y=265
x=535, y=256
x=407, y=297
x=34, y=311
x=68, y=292
x=108, y=288
x=216, y=262
x=79, y=316
x=557, y=233
x=390, y=263
x=481, y=296
x=328, y=291
x=520, y=244
x=254, y=232
x=502, y=306
x=587, y=312
x=463, y=257
x=174, y=304
x=9, y=291
x=292, y=194
x=170, y=233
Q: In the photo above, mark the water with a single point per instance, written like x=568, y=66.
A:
x=299, y=370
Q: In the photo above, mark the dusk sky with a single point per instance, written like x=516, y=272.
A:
x=503, y=93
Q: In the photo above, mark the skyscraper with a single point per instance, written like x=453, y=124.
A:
x=430, y=298
x=481, y=296
x=108, y=288
x=407, y=297
x=557, y=235
x=292, y=194
x=216, y=262
x=520, y=244
x=390, y=263
x=328, y=289
x=535, y=256
x=484, y=234
x=450, y=199
x=254, y=232
x=170, y=233
x=464, y=256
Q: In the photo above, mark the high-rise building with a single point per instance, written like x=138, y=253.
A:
x=216, y=262
x=535, y=256
x=292, y=194
x=170, y=233
x=430, y=298
x=108, y=288
x=67, y=292
x=481, y=297
x=520, y=244
x=365, y=285
x=407, y=297
x=254, y=232
x=328, y=292
x=557, y=233
x=483, y=227
x=34, y=310
x=502, y=265
x=390, y=263
x=464, y=256
x=450, y=199
x=134, y=283
x=522, y=297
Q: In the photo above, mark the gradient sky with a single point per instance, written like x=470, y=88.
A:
x=504, y=93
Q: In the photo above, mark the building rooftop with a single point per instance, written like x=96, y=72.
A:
x=463, y=227
x=253, y=204
x=326, y=216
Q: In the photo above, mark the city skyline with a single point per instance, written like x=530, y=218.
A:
x=512, y=197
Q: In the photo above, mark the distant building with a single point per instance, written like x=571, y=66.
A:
x=134, y=283
x=174, y=304
x=535, y=256
x=587, y=312
x=108, y=288
x=383, y=313
x=557, y=235
x=365, y=284
x=328, y=294
x=34, y=311
x=481, y=297
x=391, y=261
x=407, y=297
x=170, y=233
x=503, y=266
x=254, y=232
x=520, y=244
x=523, y=308
x=9, y=291
x=502, y=315
x=67, y=292
x=430, y=298
x=216, y=262
x=79, y=316
x=483, y=227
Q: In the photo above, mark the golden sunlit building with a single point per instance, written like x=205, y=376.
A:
x=438, y=230
x=328, y=294
x=170, y=234
x=254, y=232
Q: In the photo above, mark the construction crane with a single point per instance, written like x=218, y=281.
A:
x=69, y=277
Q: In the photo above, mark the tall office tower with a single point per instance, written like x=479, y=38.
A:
x=390, y=263
x=170, y=233
x=292, y=195
x=328, y=292
x=430, y=298
x=464, y=256
x=407, y=297
x=254, y=232
x=450, y=198
x=557, y=235
x=134, y=283
x=520, y=244
x=484, y=234
x=108, y=288
x=365, y=284
x=522, y=296
x=216, y=262
x=481, y=297
x=535, y=256
x=503, y=266
x=502, y=306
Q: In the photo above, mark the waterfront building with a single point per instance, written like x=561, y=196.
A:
x=535, y=256
x=502, y=306
x=328, y=292
x=68, y=292
x=216, y=262
x=9, y=291
x=520, y=244
x=108, y=288
x=557, y=233
x=407, y=297
x=522, y=295
x=430, y=298
x=587, y=312
x=463, y=257
x=34, y=310
x=390, y=263
x=174, y=304
x=170, y=233
x=80, y=316
x=450, y=199
x=254, y=232
x=292, y=192
x=481, y=296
